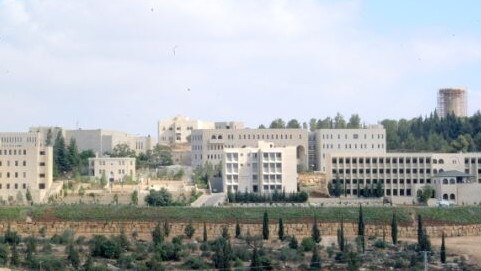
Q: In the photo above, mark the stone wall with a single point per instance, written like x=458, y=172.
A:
x=314, y=182
x=144, y=229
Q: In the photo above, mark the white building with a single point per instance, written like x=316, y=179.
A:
x=25, y=164
x=178, y=129
x=264, y=168
x=361, y=141
x=208, y=145
x=115, y=169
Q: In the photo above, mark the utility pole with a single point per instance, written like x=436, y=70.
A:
x=425, y=253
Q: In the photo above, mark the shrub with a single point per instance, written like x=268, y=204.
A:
x=189, y=230
x=101, y=246
x=159, y=198
x=4, y=252
x=242, y=253
x=195, y=263
x=45, y=262
x=293, y=244
x=307, y=244
x=380, y=244
x=290, y=255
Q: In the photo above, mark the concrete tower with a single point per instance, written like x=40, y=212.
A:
x=452, y=100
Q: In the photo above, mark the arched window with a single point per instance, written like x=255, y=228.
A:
x=445, y=196
x=435, y=171
x=435, y=161
x=213, y=137
x=445, y=181
x=452, y=197
x=441, y=161
x=219, y=137
x=452, y=181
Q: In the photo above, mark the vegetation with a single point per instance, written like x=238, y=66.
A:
x=442, y=253
x=316, y=232
x=394, y=228
x=159, y=198
x=265, y=226
x=424, y=194
x=246, y=197
x=361, y=229
x=280, y=230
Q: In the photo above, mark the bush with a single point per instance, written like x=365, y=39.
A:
x=380, y=244
x=4, y=252
x=45, y=262
x=189, y=230
x=289, y=255
x=101, y=246
x=242, y=253
x=298, y=197
x=126, y=262
x=195, y=263
x=307, y=244
x=159, y=198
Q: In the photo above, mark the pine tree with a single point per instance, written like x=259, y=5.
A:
x=237, y=230
x=361, y=229
x=316, y=259
x=394, y=228
x=222, y=254
x=315, y=232
x=205, y=233
x=280, y=232
x=293, y=244
x=443, y=250
x=265, y=226
x=73, y=155
x=157, y=235
x=420, y=230
x=60, y=154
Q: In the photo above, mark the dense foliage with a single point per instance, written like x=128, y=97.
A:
x=247, y=197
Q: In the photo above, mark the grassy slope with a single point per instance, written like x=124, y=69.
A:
x=460, y=215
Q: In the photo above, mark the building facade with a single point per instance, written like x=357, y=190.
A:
x=115, y=169
x=208, y=145
x=263, y=169
x=371, y=139
x=26, y=163
x=178, y=129
x=401, y=174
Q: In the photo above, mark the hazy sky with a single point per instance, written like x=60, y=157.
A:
x=124, y=65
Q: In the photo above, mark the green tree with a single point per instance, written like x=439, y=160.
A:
x=61, y=161
x=293, y=124
x=15, y=259
x=277, y=124
x=122, y=150
x=4, y=254
x=73, y=255
x=313, y=125
x=189, y=230
x=159, y=198
x=28, y=195
x=361, y=229
x=339, y=122
x=394, y=228
x=341, y=240
x=354, y=122
x=116, y=199
x=265, y=226
x=222, y=256
x=280, y=231
x=316, y=232
x=166, y=228
x=103, y=179
x=157, y=235
x=134, y=198
x=237, y=230
x=48, y=140
x=73, y=155
x=161, y=156
x=379, y=192
x=293, y=243
x=424, y=194
x=443, y=249
x=225, y=232
x=205, y=239
x=316, y=263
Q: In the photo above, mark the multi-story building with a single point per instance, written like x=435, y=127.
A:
x=336, y=141
x=98, y=140
x=26, y=163
x=401, y=174
x=208, y=145
x=115, y=169
x=178, y=129
x=264, y=168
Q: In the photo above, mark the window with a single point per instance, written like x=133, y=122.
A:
x=41, y=186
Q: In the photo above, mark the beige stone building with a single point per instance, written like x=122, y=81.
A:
x=208, y=145
x=25, y=164
x=115, y=169
x=401, y=174
x=178, y=129
x=264, y=168
x=371, y=139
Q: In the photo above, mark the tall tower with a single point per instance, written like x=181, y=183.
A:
x=452, y=100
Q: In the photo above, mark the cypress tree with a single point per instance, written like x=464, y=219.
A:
x=316, y=233
x=420, y=231
x=316, y=259
x=205, y=233
x=394, y=228
x=340, y=237
x=73, y=255
x=15, y=260
x=265, y=226
x=237, y=230
x=157, y=236
x=281, y=230
x=443, y=250
x=361, y=228
x=166, y=228
x=225, y=232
